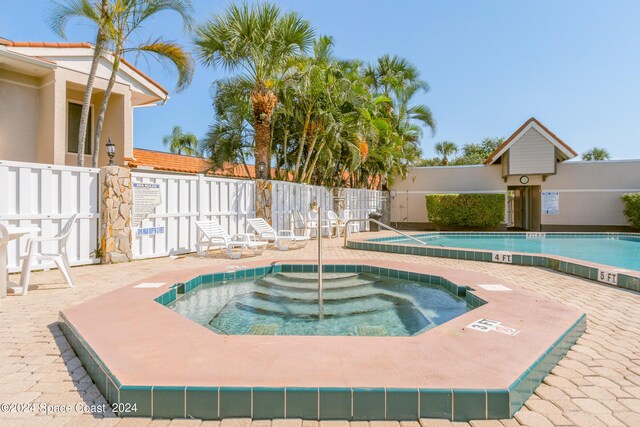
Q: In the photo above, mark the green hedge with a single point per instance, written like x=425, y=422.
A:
x=466, y=210
x=632, y=208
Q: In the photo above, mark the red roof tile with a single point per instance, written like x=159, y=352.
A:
x=186, y=164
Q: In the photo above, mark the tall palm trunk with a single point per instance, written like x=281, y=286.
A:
x=308, y=159
x=101, y=40
x=103, y=107
x=284, y=172
x=303, y=140
x=263, y=102
x=315, y=160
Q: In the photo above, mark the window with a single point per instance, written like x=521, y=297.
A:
x=74, y=111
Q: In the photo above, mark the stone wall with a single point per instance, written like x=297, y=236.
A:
x=116, y=215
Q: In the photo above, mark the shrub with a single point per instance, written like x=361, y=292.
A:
x=466, y=210
x=632, y=208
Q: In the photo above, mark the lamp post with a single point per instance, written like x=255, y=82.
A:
x=111, y=151
x=262, y=170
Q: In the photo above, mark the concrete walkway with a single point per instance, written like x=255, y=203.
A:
x=597, y=384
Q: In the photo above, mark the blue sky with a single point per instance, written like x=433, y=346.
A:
x=574, y=65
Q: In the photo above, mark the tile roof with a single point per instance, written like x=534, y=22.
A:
x=187, y=164
x=63, y=45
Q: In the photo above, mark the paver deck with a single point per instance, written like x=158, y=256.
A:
x=597, y=383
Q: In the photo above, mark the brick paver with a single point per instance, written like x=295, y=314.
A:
x=596, y=384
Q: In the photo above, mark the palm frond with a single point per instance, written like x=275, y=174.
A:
x=173, y=53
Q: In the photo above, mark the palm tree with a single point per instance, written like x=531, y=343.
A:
x=180, y=142
x=398, y=80
x=59, y=18
x=127, y=19
x=446, y=149
x=230, y=137
x=596, y=154
x=258, y=41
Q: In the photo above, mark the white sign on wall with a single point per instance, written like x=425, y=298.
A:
x=550, y=202
x=145, y=199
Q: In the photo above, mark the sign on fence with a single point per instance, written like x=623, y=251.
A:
x=146, y=197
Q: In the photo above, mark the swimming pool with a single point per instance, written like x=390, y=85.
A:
x=286, y=303
x=618, y=250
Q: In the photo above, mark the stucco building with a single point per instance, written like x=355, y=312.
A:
x=544, y=190
x=41, y=90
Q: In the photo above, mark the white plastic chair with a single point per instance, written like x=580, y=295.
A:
x=345, y=216
x=312, y=223
x=211, y=233
x=282, y=238
x=299, y=224
x=60, y=258
x=334, y=223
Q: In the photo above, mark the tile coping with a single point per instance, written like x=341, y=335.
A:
x=339, y=400
x=616, y=276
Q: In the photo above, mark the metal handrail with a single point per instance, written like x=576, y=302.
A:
x=319, y=235
x=346, y=230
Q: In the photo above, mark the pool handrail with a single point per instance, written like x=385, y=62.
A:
x=346, y=234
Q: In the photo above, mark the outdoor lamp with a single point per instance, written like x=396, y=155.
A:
x=262, y=169
x=111, y=151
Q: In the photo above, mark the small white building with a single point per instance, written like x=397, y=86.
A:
x=544, y=191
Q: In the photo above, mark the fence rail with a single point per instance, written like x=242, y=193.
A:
x=186, y=199
x=45, y=196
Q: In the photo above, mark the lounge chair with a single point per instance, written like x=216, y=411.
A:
x=282, y=238
x=60, y=257
x=210, y=233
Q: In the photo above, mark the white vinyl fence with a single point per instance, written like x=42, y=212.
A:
x=289, y=196
x=184, y=200
x=46, y=196
x=361, y=202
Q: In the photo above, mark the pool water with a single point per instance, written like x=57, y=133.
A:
x=287, y=304
x=614, y=250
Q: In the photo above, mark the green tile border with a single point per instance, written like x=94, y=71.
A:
x=574, y=267
x=179, y=290
x=401, y=404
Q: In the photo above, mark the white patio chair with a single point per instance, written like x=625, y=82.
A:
x=60, y=258
x=282, y=238
x=312, y=223
x=299, y=224
x=211, y=233
x=334, y=223
x=345, y=216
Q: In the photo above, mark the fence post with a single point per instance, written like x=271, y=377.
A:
x=116, y=203
x=202, y=190
x=264, y=199
x=385, y=206
x=338, y=200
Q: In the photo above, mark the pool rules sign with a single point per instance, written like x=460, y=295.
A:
x=146, y=197
x=550, y=203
